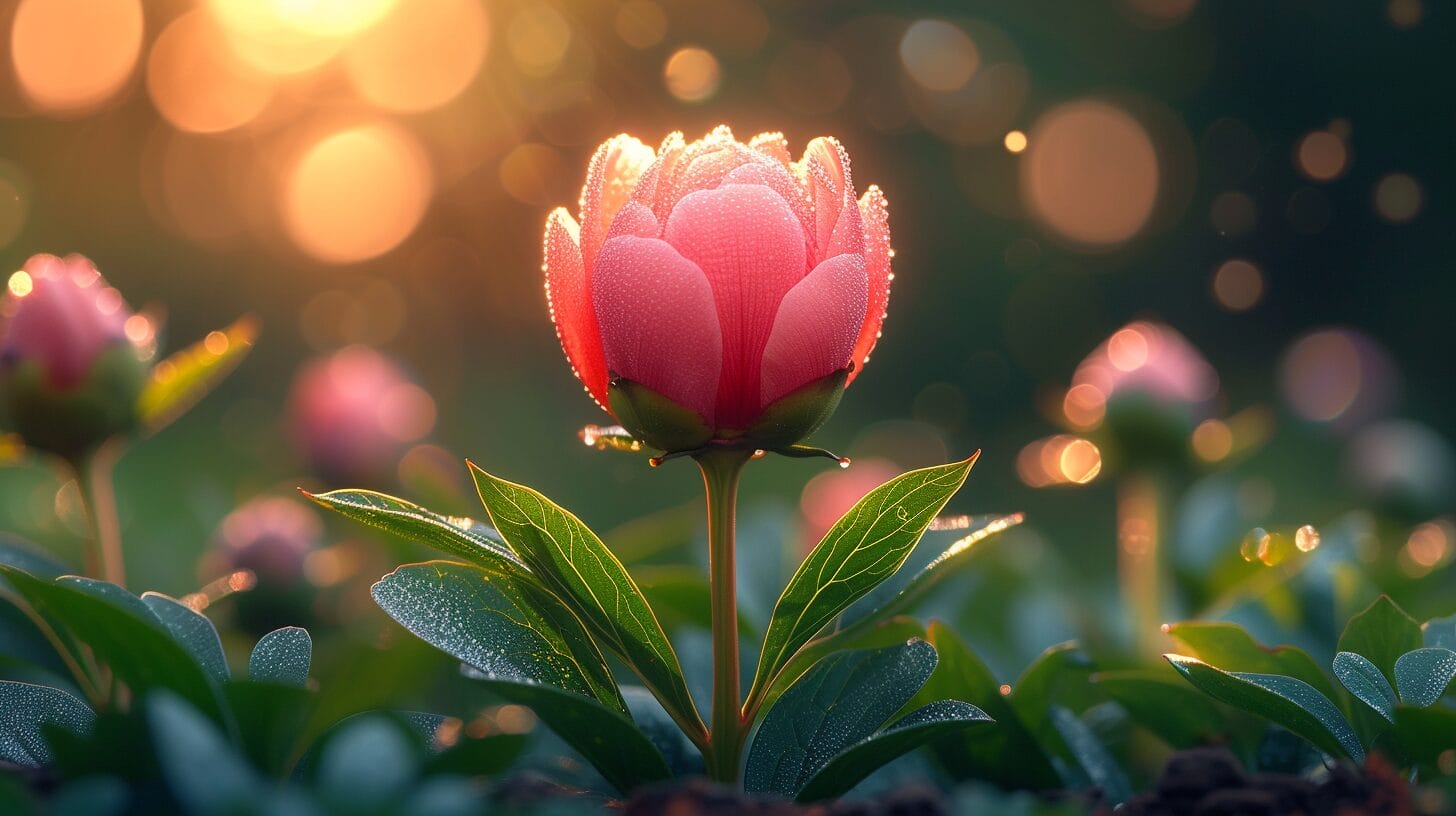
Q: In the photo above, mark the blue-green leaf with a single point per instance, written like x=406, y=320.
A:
x=282, y=656
x=24, y=712
x=22, y=555
x=1423, y=675
x=458, y=536
x=866, y=546
x=574, y=563
x=1091, y=755
x=1164, y=704
x=369, y=761
x=1381, y=633
x=192, y=629
x=1229, y=647
x=1364, y=680
x=1440, y=632
x=1286, y=701
x=844, y=699
x=938, y=719
x=204, y=772
x=504, y=625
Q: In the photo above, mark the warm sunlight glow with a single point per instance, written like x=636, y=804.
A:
x=1015, y=141
x=357, y=193
x=938, y=56
x=692, y=74
x=421, y=56
x=197, y=83
x=73, y=55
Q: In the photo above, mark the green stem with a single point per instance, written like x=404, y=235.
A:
x=93, y=476
x=721, y=469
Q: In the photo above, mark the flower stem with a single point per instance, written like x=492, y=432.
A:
x=721, y=469
x=93, y=476
x=1139, y=571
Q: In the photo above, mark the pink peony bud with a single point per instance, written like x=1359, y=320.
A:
x=269, y=537
x=354, y=412
x=1150, y=359
x=718, y=290
x=69, y=376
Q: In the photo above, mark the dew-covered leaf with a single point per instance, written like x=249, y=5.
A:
x=1091, y=755
x=182, y=379
x=574, y=563
x=1422, y=675
x=1381, y=633
x=1364, y=680
x=844, y=699
x=368, y=761
x=502, y=624
x=891, y=632
x=122, y=633
x=1286, y=701
x=938, y=719
x=282, y=656
x=22, y=555
x=1006, y=754
x=1440, y=632
x=26, y=709
x=863, y=548
x=1164, y=704
x=192, y=629
x=605, y=737
x=461, y=537
x=1230, y=648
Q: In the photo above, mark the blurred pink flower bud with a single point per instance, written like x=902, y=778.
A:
x=719, y=290
x=271, y=537
x=1142, y=358
x=69, y=376
x=354, y=412
x=830, y=494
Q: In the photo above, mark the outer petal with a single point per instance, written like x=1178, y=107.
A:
x=659, y=323
x=610, y=179
x=750, y=245
x=571, y=309
x=655, y=181
x=815, y=331
x=634, y=219
x=824, y=172
x=875, y=214
x=773, y=145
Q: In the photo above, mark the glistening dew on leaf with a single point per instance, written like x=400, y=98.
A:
x=718, y=292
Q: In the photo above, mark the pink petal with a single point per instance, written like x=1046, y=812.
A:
x=659, y=323
x=67, y=320
x=750, y=245
x=825, y=172
x=634, y=219
x=652, y=187
x=566, y=295
x=814, y=333
x=773, y=145
x=875, y=214
x=610, y=179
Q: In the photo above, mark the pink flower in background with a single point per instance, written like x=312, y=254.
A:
x=270, y=537
x=352, y=414
x=59, y=313
x=1151, y=359
x=832, y=493
x=720, y=275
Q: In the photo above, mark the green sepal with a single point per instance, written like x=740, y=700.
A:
x=799, y=413
x=655, y=419
x=73, y=422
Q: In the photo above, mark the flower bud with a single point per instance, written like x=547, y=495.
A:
x=69, y=377
x=353, y=413
x=270, y=538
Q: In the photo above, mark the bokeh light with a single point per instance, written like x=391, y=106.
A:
x=1142, y=357
x=1090, y=173
x=1337, y=374
x=195, y=81
x=72, y=55
x=1397, y=198
x=1233, y=213
x=1238, y=285
x=1015, y=141
x=692, y=74
x=640, y=23
x=286, y=36
x=357, y=193
x=1429, y=546
x=1059, y=460
x=1322, y=156
x=532, y=173
x=1212, y=440
x=938, y=55
x=538, y=38
x=421, y=56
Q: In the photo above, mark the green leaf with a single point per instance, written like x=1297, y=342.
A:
x=1366, y=683
x=844, y=699
x=1286, y=701
x=182, y=379
x=1425, y=734
x=606, y=738
x=1440, y=632
x=1061, y=675
x=569, y=558
x=656, y=724
x=205, y=774
x=22, y=555
x=890, y=632
x=1422, y=675
x=1229, y=647
x=1164, y=704
x=942, y=718
x=1091, y=755
x=282, y=656
x=1006, y=755
x=461, y=537
x=369, y=761
x=866, y=546
x=1381, y=633
x=270, y=719
x=503, y=625
x=955, y=557
x=122, y=633
x=26, y=709
x=192, y=629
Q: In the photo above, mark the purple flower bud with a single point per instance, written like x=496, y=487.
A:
x=271, y=537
